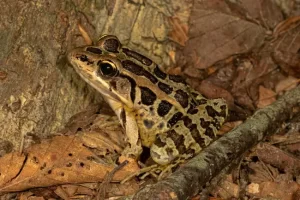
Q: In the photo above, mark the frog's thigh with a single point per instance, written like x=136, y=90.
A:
x=163, y=151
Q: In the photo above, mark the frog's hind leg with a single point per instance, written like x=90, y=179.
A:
x=173, y=148
x=169, y=150
x=164, y=149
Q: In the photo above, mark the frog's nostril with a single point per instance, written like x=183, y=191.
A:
x=82, y=58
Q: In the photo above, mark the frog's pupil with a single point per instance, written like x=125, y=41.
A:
x=106, y=69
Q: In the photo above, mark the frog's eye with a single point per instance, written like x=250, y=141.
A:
x=110, y=43
x=107, y=69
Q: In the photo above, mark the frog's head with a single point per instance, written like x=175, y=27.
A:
x=116, y=72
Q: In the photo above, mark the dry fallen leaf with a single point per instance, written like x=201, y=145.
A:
x=286, y=25
x=226, y=189
x=287, y=84
x=278, y=158
x=212, y=91
x=179, y=31
x=216, y=32
x=288, y=61
x=61, y=160
x=266, y=97
x=96, y=140
x=259, y=172
x=228, y=126
x=282, y=190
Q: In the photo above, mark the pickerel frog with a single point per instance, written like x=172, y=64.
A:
x=157, y=110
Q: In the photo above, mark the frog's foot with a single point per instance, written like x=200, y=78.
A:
x=146, y=170
x=158, y=171
x=168, y=169
x=132, y=151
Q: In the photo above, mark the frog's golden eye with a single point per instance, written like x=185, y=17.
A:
x=107, y=69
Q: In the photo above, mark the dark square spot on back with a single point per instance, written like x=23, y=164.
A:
x=141, y=58
x=175, y=118
x=163, y=108
x=182, y=98
x=176, y=79
x=165, y=88
x=147, y=96
x=160, y=74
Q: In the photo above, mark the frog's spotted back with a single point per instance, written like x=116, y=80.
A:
x=161, y=109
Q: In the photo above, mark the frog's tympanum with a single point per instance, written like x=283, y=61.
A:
x=157, y=110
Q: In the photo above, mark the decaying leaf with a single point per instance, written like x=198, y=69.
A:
x=278, y=158
x=266, y=97
x=281, y=190
x=216, y=32
x=61, y=160
x=227, y=189
x=179, y=31
x=287, y=84
x=288, y=62
x=212, y=91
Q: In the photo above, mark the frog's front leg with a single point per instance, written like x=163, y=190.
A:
x=134, y=148
x=128, y=122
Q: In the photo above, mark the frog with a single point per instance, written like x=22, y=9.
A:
x=157, y=110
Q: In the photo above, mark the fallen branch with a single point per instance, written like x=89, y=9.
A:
x=190, y=178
